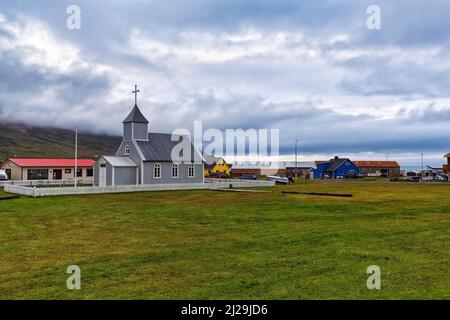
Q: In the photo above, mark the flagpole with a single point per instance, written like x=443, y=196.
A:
x=76, y=155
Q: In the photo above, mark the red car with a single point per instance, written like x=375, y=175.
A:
x=217, y=175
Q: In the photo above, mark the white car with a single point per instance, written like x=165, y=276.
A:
x=3, y=175
x=277, y=179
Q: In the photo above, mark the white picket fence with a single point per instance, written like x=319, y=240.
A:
x=35, y=191
x=45, y=182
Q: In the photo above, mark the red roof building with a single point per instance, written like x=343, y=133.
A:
x=384, y=168
x=47, y=169
x=446, y=167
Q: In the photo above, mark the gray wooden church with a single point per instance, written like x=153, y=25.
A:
x=146, y=158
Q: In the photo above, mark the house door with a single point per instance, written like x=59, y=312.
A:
x=8, y=173
x=102, y=175
x=57, y=174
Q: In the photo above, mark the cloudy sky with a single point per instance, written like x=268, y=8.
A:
x=310, y=68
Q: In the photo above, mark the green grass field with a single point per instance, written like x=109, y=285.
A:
x=225, y=245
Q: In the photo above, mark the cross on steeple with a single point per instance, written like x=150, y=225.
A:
x=135, y=94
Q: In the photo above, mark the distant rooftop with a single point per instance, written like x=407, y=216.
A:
x=272, y=164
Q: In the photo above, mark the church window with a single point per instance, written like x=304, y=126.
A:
x=127, y=149
x=191, y=171
x=175, y=171
x=157, y=171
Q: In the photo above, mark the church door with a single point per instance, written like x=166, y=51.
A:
x=102, y=175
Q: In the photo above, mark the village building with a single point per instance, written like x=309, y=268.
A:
x=446, y=167
x=47, y=169
x=271, y=168
x=379, y=168
x=147, y=158
x=214, y=165
x=335, y=168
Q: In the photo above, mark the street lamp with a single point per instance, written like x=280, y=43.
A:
x=76, y=156
x=421, y=172
x=296, y=167
x=387, y=165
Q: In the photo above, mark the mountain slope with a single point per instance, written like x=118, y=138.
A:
x=19, y=140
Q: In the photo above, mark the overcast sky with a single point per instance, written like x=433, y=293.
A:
x=310, y=68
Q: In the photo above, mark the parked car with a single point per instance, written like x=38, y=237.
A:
x=351, y=174
x=217, y=175
x=278, y=180
x=248, y=177
x=3, y=175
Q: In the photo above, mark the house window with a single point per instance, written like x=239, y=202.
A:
x=79, y=173
x=89, y=172
x=37, y=174
x=191, y=171
x=68, y=171
x=174, y=171
x=127, y=149
x=157, y=171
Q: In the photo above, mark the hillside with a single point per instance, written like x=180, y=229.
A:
x=19, y=140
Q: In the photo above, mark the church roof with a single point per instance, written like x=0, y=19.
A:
x=135, y=116
x=120, y=161
x=159, y=148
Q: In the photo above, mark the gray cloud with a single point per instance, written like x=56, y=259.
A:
x=385, y=76
x=311, y=69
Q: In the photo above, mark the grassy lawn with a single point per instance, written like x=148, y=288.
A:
x=2, y=192
x=211, y=245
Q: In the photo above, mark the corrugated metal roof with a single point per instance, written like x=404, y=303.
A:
x=120, y=161
x=135, y=116
x=160, y=145
x=43, y=162
x=377, y=164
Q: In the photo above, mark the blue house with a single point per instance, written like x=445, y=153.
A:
x=335, y=168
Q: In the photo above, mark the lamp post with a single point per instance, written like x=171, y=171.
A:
x=296, y=167
x=387, y=165
x=421, y=172
x=76, y=155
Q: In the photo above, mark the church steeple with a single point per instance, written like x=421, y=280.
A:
x=135, y=125
x=135, y=116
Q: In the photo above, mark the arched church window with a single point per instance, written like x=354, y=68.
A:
x=157, y=171
x=175, y=171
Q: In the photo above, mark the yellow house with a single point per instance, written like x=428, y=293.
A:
x=215, y=165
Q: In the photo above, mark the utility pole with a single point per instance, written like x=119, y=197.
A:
x=76, y=155
x=296, y=167
x=387, y=166
x=421, y=172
